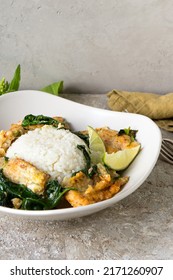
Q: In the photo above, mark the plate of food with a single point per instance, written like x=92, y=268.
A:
x=60, y=159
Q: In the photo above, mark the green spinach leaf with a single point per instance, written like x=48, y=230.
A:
x=30, y=200
x=9, y=190
x=39, y=119
x=84, y=137
x=54, y=193
x=16, y=190
x=87, y=159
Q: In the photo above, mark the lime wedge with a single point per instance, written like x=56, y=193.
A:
x=121, y=159
x=96, y=145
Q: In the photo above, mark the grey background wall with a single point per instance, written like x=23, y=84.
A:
x=94, y=45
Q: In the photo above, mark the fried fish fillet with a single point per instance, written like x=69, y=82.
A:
x=103, y=190
x=21, y=172
x=115, y=142
x=88, y=191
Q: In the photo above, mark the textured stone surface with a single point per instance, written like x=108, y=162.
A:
x=138, y=227
x=93, y=45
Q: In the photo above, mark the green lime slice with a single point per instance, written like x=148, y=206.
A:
x=96, y=145
x=121, y=159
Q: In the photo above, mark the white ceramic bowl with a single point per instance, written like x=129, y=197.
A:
x=14, y=106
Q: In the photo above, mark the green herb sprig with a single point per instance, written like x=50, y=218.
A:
x=39, y=119
x=6, y=87
x=128, y=131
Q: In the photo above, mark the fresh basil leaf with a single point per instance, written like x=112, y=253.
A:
x=15, y=82
x=54, y=88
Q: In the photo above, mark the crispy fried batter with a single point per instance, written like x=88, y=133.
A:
x=6, y=138
x=88, y=191
x=102, y=191
x=80, y=181
x=17, y=202
x=21, y=172
x=17, y=129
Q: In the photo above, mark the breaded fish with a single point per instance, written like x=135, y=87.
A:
x=115, y=142
x=88, y=191
x=101, y=191
x=21, y=172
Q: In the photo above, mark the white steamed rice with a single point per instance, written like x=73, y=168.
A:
x=51, y=150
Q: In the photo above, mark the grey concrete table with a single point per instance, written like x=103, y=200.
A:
x=138, y=227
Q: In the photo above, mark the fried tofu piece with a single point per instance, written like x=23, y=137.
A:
x=21, y=172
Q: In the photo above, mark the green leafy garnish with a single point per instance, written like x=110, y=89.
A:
x=15, y=82
x=92, y=171
x=87, y=159
x=84, y=137
x=130, y=132
x=9, y=190
x=54, y=88
x=89, y=170
x=86, y=155
x=54, y=193
x=30, y=200
x=39, y=119
x=6, y=87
